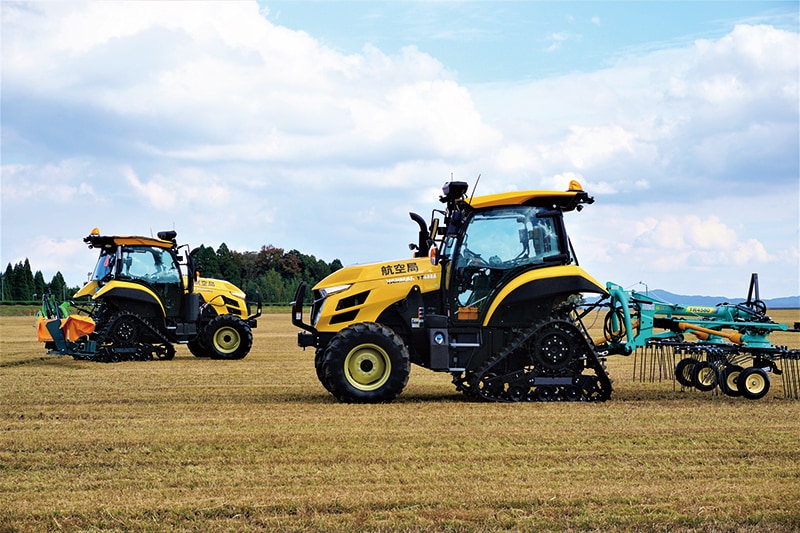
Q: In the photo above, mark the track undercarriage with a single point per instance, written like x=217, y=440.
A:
x=128, y=336
x=551, y=361
x=121, y=336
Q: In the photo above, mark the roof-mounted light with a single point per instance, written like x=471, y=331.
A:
x=575, y=186
x=95, y=231
x=453, y=190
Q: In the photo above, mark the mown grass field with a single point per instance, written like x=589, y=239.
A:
x=258, y=444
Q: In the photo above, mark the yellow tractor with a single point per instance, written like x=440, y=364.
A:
x=491, y=296
x=146, y=297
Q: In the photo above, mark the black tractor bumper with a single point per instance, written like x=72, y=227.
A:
x=308, y=337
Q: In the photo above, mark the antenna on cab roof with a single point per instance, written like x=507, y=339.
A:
x=474, y=187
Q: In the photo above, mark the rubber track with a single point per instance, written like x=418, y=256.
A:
x=106, y=353
x=500, y=385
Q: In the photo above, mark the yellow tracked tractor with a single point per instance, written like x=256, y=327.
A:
x=146, y=297
x=490, y=296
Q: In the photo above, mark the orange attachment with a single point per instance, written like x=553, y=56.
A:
x=74, y=327
x=704, y=333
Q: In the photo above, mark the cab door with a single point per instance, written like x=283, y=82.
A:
x=156, y=268
x=497, y=245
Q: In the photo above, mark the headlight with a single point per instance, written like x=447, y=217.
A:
x=238, y=295
x=333, y=290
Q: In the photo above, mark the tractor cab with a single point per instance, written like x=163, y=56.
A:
x=146, y=264
x=494, y=246
x=488, y=242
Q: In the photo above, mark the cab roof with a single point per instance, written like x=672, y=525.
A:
x=95, y=240
x=566, y=200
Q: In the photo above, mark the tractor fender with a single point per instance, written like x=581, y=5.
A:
x=540, y=285
x=129, y=291
x=87, y=290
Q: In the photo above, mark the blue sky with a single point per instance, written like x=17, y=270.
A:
x=319, y=125
x=512, y=41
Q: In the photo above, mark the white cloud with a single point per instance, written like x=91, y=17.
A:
x=211, y=118
x=156, y=193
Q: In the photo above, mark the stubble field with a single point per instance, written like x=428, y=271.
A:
x=258, y=444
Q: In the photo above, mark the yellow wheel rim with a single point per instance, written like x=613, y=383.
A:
x=755, y=383
x=730, y=379
x=705, y=376
x=227, y=340
x=367, y=367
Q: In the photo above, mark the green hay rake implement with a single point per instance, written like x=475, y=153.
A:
x=730, y=350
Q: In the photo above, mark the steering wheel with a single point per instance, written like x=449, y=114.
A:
x=471, y=259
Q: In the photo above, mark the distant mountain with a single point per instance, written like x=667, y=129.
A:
x=786, y=302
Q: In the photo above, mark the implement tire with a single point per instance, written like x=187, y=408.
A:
x=228, y=337
x=753, y=383
x=366, y=363
x=683, y=370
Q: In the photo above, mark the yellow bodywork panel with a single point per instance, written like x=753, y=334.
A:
x=212, y=292
x=87, y=290
x=142, y=241
x=365, y=291
x=117, y=284
x=539, y=274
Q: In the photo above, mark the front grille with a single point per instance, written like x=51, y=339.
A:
x=352, y=301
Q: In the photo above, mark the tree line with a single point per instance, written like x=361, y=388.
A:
x=20, y=284
x=271, y=274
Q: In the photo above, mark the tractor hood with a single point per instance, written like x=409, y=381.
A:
x=211, y=285
x=404, y=271
x=360, y=293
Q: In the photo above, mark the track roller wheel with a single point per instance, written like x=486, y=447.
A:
x=728, y=380
x=753, y=383
x=163, y=352
x=517, y=393
x=573, y=393
x=366, y=363
x=683, y=371
x=125, y=329
x=704, y=376
x=228, y=337
x=546, y=394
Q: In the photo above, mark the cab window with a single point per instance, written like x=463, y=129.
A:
x=104, y=268
x=151, y=264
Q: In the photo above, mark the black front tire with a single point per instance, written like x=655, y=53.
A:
x=197, y=348
x=228, y=337
x=366, y=363
x=319, y=366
